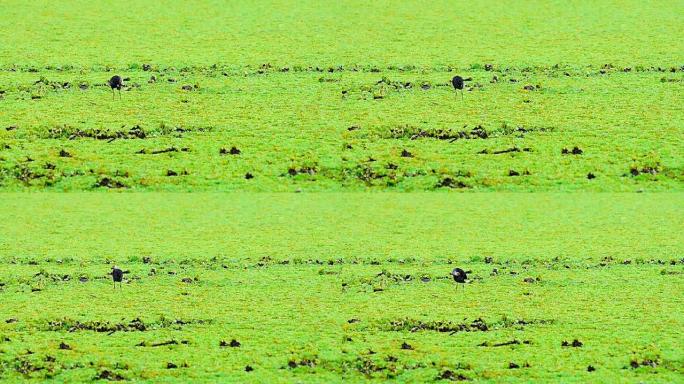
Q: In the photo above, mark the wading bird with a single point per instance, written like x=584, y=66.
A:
x=457, y=82
x=117, y=276
x=459, y=276
x=116, y=83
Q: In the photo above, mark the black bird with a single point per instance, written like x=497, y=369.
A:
x=459, y=276
x=116, y=83
x=457, y=82
x=117, y=276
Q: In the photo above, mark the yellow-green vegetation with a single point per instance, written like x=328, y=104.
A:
x=342, y=97
x=575, y=104
x=328, y=287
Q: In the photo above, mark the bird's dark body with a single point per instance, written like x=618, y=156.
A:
x=117, y=275
x=459, y=275
x=457, y=82
x=116, y=82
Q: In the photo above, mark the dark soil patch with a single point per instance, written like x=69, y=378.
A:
x=233, y=343
x=303, y=170
x=107, y=182
x=109, y=375
x=135, y=325
x=64, y=153
x=501, y=151
x=136, y=132
x=307, y=362
x=636, y=363
x=451, y=134
x=477, y=325
x=231, y=151
x=451, y=375
x=573, y=151
x=648, y=169
x=160, y=151
x=505, y=343
x=449, y=182
x=575, y=343
x=160, y=344
x=99, y=134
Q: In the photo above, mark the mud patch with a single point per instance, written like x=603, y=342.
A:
x=451, y=375
x=161, y=343
x=446, y=326
x=451, y=182
x=654, y=360
x=136, y=132
x=232, y=151
x=135, y=325
x=110, y=182
x=28, y=173
x=109, y=376
x=505, y=343
x=302, y=169
x=450, y=134
x=574, y=151
x=160, y=151
x=502, y=151
x=575, y=344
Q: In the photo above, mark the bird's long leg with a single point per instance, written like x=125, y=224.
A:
x=462, y=95
x=119, y=93
x=113, y=95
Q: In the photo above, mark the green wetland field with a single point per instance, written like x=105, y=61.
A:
x=342, y=287
x=288, y=186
